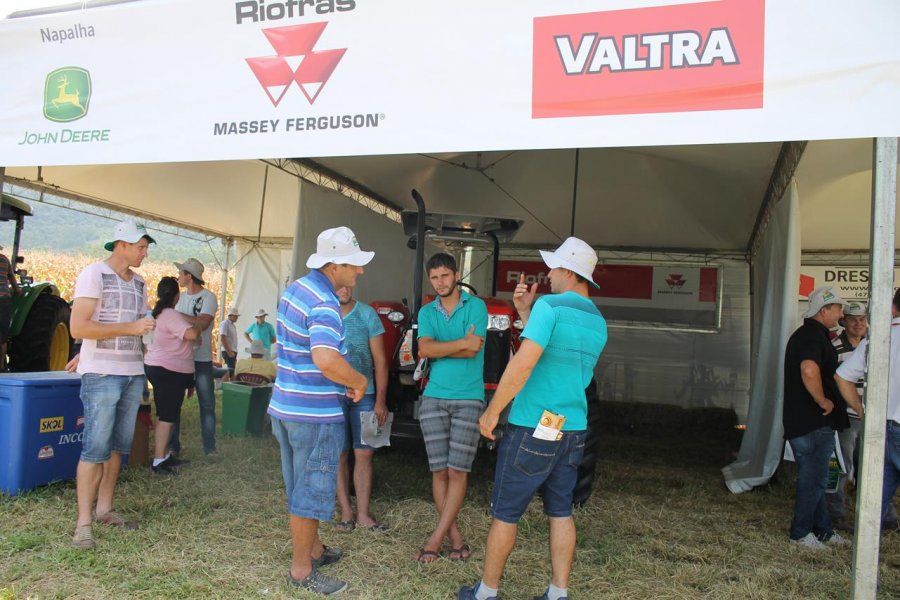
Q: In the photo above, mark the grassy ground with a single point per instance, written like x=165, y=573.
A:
x=660, y=525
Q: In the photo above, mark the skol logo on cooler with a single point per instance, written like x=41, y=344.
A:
x=295, y=61
x=51, y=424
x=683, y=57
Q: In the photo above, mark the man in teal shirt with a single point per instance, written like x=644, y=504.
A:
x=544, y=440
x=451, y=336
x=263, y=331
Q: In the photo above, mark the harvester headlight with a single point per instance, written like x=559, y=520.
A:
x=498, y=322
x=518, y=324
x=395, y=316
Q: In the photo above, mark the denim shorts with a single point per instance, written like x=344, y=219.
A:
x=309, y=462
x=110, y=411
x=353, y=422
x=525, y=463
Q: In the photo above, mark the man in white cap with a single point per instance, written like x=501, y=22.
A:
x=848, y=373
x=228, y=339
x=108, y=315
x=313, y=377
x=813, y=410
x=199, y=304
x=262, y=331
x=257, y=364
x=544, y=440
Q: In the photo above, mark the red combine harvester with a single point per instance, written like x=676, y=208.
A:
x=454, y=233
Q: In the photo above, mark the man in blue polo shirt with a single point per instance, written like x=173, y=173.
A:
x=312, y=378
x=451, y=336
x=544, y=440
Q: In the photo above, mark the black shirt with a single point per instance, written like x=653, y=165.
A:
x=801, y=413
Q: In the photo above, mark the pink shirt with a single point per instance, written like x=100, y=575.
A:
x=169, y=349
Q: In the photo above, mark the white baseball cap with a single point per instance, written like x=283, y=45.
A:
x=194, y=267
x=855, y=309
x=338, y=246
x=128, y=231
x=574, y=255
x=256, y=347
x=233, y=311
x=820, y=298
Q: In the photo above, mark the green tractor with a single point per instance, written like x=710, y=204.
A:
x=39, y=338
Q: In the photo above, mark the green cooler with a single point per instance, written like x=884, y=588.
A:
x=244, y=408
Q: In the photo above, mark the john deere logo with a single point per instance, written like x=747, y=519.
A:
x=67, y=93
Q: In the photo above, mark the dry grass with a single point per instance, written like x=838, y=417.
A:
x=660, y=525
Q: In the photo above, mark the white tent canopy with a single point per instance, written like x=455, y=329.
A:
x=680, y=108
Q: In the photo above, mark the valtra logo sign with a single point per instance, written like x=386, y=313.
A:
x=295, y=61
x=688, y=57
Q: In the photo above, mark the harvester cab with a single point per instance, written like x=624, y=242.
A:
x=39, y=337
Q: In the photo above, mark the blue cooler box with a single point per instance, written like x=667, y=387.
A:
x=41, y=426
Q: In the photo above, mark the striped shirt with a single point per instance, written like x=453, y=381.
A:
x=844, y=349
x=309, y=316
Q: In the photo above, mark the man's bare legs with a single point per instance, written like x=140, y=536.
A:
x=96, y=481
x=449, y=491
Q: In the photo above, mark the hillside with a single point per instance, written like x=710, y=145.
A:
x=66, y=231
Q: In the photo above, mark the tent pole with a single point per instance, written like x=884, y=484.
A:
x=574, y=191
x=262, y=208
x=228, y=243
x=867, y=538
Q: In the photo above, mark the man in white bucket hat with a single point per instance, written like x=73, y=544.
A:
x=313, y=377
x=563, y=337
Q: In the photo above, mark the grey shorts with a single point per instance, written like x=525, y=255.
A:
x=450, y=429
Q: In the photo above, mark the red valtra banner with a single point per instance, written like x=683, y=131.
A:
x=688, y=57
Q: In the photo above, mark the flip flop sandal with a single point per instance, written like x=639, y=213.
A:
x=378, y=528
x=345, y=526
x=464, y=552
x=427, y=554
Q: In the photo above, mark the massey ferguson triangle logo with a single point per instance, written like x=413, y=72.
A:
x=675, y=281
x=295, y=61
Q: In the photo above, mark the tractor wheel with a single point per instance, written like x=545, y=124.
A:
x=588, y=467
x=44, y=344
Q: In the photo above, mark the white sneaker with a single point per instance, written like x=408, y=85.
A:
x=837, y=540
x=810, y=542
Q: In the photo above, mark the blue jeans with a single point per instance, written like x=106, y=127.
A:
x=812, y=453
x=309, y=463
x=526, y=463
x=353, y=421
x=206, y=397
x=891, y=468
x=110, y=410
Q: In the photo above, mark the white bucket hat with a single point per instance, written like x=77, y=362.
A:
x=260, y=313
x=820, y=298
x=256, y=347
x=338, y=246
x=194, y=267
x=233, y=311
x=128, y=231
x=574, y=255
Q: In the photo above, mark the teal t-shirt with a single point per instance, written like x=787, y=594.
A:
x=572, y=333
x=455, y=378
x=263, y=333
x=360, y=325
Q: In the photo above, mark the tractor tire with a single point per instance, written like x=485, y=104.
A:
x=588, y=467
x=44, y=344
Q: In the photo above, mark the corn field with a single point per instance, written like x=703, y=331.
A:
x=63, y=269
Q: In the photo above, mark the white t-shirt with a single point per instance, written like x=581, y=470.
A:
x=201, y=303
x=118, y=301
x=227, y=329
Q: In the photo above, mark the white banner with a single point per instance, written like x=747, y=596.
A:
x=851, y=283
x=166, y=81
